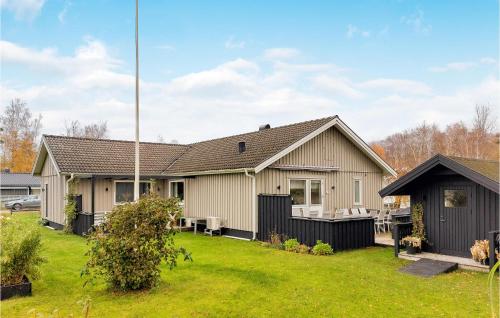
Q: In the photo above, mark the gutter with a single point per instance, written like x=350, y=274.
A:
x=207, y=172
x=254, y=206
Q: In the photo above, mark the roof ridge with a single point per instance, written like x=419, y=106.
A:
x=473, y=159
x=268, y=129
x=115, y=140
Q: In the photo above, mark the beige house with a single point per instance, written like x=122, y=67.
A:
x=322, y=163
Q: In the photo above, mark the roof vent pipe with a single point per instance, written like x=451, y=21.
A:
x=264, y=127
x=242, y=146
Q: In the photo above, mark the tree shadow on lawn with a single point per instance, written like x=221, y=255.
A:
x=251, y=275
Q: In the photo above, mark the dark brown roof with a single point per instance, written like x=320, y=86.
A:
x=487, y=168
x=223, y=153
x=110, y=157
x=116, y=157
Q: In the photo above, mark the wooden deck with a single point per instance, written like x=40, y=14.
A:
x=384, y=239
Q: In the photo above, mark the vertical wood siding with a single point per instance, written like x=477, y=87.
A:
x=56, y=191
x=482, y=218
x=228, y=196
x=104, y=199
x=330, y=148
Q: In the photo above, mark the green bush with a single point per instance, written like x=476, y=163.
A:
x=20, y=246
x=292, y=245
x=322, y=248
x=127, y=249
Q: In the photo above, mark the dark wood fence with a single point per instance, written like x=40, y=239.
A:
x=494, y=238
x=275, y=215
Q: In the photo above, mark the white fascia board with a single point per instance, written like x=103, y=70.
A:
x=351, y=135
x=346, y=131
x=43, y=144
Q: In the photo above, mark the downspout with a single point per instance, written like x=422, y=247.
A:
x=71, y=178
x=254, y=206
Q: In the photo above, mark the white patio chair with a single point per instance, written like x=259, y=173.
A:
x=374, y=213
x=327, y=214
x=345, y=213
x=363, y=212
x=379, y=222
x=339, y=215
x=388, y=220
x=355, y=212
x=313, y=214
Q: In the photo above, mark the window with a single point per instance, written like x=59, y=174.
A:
x=177, y=190
x=306, y=192
x=316, y=192
x=455, y=198
x=357, y=191
x=124, y=190
x=298, y=192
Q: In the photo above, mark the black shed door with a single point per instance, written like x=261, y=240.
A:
x=455, y=218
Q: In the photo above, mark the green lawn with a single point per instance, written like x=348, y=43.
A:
x=233, y=278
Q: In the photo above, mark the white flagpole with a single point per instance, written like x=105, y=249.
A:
x=136, y=175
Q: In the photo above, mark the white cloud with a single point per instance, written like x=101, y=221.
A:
x=61, y=16
x=23, y=9
x=233, y=97
x=488, y=60
x=165, y=47
x=231, y=43
x=353, y=30
x=337, y=86
x=463, y=66
x=417, y=22
x=397, y=85
x=281, y=53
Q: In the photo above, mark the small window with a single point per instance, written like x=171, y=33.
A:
x=124, y=190
x=357, y=191
x=177, y=190
x=298, y=192
x=455, y=198
x=315, y=192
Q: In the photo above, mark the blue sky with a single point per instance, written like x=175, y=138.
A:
x=212, y=68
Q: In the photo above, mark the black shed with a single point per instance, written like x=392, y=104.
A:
x=460, y=198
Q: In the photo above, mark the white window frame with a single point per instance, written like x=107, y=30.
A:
x=130, y=181
x=360, y=180
x=170, y=189
x=307, y=202
x=306, y=199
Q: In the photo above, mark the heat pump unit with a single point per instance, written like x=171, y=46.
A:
x=213, y=223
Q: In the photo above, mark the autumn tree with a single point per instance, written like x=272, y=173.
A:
x=407, y=149
x=94, y=130
x=20, y=131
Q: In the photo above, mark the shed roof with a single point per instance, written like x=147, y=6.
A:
x=483, y=172
x=8, y=179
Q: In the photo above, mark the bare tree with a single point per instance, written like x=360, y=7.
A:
x=483, y=125
x=94, y=130
x=407, y=149
x=19, y=134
